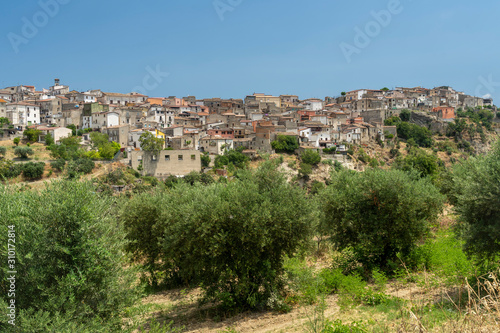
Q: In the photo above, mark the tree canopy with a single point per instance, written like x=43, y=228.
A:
x=478, y=203
x=379, y=213
x=285, y=144
x=151, y=143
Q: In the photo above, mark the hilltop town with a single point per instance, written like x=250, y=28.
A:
x=192, y=126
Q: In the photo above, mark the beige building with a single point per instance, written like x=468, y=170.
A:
x=166, y=163
x=263, y=98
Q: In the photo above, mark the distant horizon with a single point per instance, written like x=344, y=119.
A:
x=38, y=88
x=231, y=48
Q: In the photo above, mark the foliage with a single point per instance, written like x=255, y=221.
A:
x=151, y=143
x=311, y=157
x=72, y=127
x=316, y=187
x=49, y=140
x=405, y=115
x=444, y=256
x=70, y=250
x=16, y=141
x=33, y=170
x=305, y=170
x=331, y=150
x=32, y=134
x=141, y=218
x=230, y=237
x=456, y=128
x=3, y=151
x=232, y=157
x=101, y=144
x=58, y=164
x=285, y=144
x=392, y=121
x=420, y=161
x=4, y=121
x=198, y=177
x=379, y=213
x=205, y=160
x=478, y=203
x=67, y=149
x=79, y=166
x=421, y=135
x=23, y=152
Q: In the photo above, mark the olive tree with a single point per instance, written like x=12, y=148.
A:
x=379, y=213
x=233, y=238
x=69, y=257
x=477, y=197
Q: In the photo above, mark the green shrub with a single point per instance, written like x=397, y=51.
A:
x=23, y=152
x=419, y=160
x=14, y=170
x=70, y=249
x=49, y=140
x=32, y=134
x=79, y=166
x=305, y=170
x=58, y=164
x=205, y=160
x=285, y=144
x=3, y=151
x=310, y=157
x=331, y=150
x=338, y=326
x=444, y=256
x=379, y=213
x=33, y=170
x=476, y=187
x=16, y=141
x=206, y=225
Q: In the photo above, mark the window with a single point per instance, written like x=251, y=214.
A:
x=167, y=157
x=193, y=157
x=153, y=158
x=181, y=157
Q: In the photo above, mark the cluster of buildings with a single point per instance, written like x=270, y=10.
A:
x=212, y=125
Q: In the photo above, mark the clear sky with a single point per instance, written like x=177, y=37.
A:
x=232, y=48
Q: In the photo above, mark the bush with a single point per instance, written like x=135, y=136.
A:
x=49, y=140
x=476, y=186
x=23, y=152
x=3, y=151
x=69, y=148
x=285, y=144
x=421, y=135
x=33, y=170
x=79, y=166
x=32, y=134
x=331, y=150
x=311, y=157
x=231, y=238
x=405, y=115
x=205, y=160
x=232, y=157
x=58, y=164
x=70, y=250
x=420, y=161
x=141, y=218
x=305, y=170
x=379, y=213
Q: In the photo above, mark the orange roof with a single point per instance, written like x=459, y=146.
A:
x=2, y=101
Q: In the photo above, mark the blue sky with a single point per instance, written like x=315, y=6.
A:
x=271, y=46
